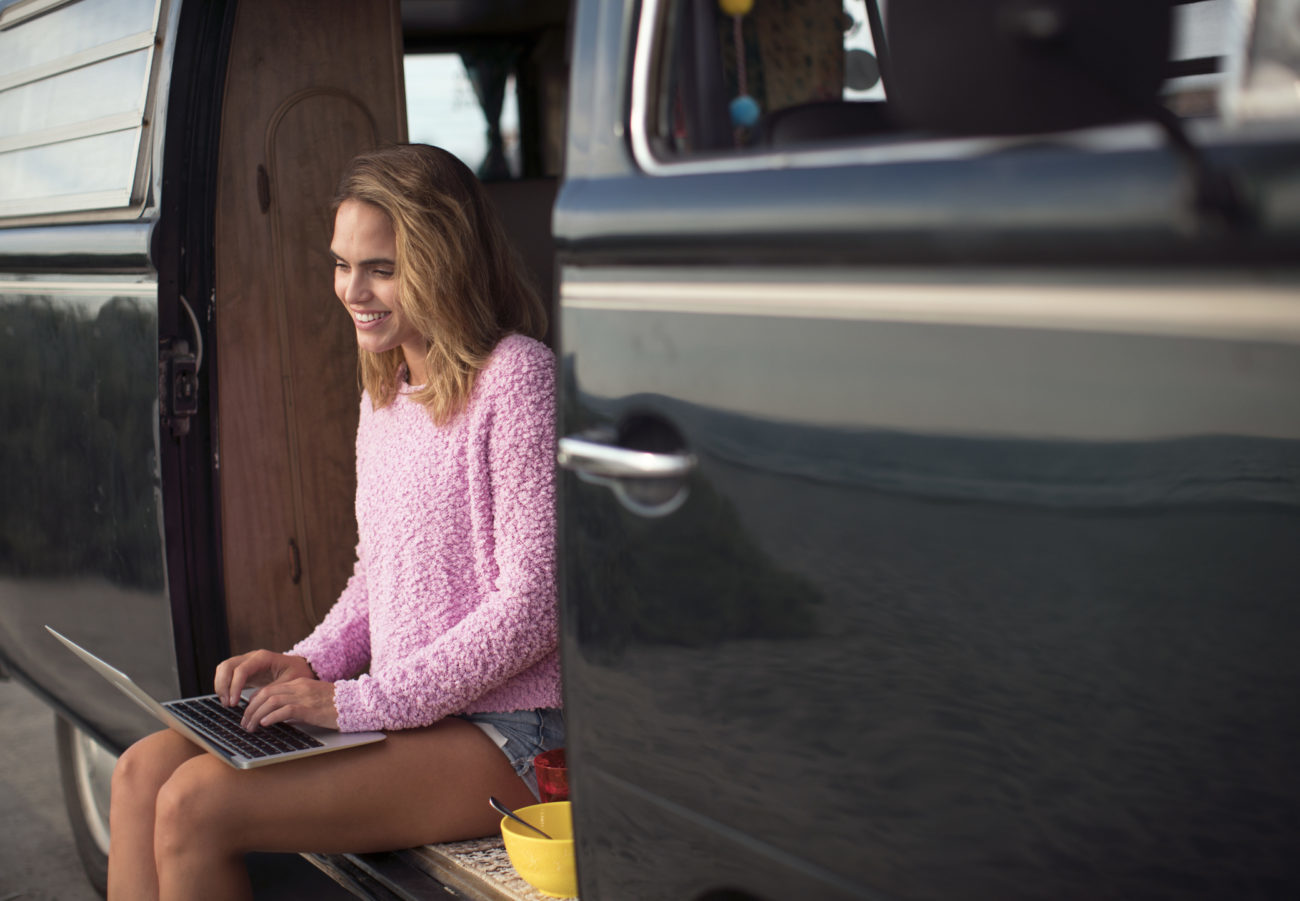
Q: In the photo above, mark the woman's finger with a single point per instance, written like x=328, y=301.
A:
x=306, y=700
x=259, y=704
x=244, y=669
x=221, y=682
x=239, y=677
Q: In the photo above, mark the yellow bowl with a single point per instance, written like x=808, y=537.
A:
x=545, y=864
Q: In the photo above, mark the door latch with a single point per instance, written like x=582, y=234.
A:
x=178, y=385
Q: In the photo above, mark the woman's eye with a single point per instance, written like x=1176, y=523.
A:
x=384, y=273
x=340, y=266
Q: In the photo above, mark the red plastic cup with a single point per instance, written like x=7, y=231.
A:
x=552, y=776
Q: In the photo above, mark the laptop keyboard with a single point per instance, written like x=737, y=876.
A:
x=221, y=724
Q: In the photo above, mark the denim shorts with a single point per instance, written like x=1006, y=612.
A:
x=522, y=735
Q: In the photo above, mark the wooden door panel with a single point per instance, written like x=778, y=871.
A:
x=309, y=85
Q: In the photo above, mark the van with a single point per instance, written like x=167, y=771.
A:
x=929, y=411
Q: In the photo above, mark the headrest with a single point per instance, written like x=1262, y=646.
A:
x=1024, y=66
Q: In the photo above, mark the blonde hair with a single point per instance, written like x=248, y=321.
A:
x=459, y=282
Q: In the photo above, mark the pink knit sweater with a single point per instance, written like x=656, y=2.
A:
x=452, y=601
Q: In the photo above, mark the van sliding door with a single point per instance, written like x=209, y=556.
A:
x=931, y=514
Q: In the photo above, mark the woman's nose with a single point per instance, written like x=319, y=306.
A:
x=354, y=288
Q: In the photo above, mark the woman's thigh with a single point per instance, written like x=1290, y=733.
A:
x=417, y=786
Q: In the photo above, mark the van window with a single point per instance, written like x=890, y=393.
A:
x=793, y=73
x=468, y=106
x=724, y=81
x=75, y=104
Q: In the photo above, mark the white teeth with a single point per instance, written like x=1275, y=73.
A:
x=369, y=317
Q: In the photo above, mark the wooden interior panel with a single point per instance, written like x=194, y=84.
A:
x=318, y=343
x=310, y=83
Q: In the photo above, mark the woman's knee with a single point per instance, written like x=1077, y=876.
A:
x=194, y=810
x=144, y=767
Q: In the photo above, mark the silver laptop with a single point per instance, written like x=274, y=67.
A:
x=208, y=723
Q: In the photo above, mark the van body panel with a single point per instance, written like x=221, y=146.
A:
x=83, y=539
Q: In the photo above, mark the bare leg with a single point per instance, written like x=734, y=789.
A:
x=139, y=775
x=418, y=786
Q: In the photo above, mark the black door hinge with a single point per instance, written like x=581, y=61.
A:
x=178, y=385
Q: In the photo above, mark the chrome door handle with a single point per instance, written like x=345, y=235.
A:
x=609, y=461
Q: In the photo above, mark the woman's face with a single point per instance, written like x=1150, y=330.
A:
x=364, y=249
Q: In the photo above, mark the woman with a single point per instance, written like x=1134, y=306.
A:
x=446, y=633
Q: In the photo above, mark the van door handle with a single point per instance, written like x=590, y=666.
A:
x=595, y=458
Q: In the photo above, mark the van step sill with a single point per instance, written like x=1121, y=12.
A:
x=477, y=870
x=360, y=880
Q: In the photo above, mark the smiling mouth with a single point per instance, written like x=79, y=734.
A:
x=370, y=317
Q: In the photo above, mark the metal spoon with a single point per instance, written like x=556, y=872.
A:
x=501, y=808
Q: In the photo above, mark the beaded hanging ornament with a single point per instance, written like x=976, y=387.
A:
x=744, y=109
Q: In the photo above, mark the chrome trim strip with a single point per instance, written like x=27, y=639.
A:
x=91, y=288
x=98, y=250
x=639, y=107
x=1269, y=313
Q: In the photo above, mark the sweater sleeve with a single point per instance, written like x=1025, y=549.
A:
x=514, y=626
x=339, y=647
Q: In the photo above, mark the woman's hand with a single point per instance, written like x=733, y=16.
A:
x=307, y=700
x=257, y=668
x=290, y=690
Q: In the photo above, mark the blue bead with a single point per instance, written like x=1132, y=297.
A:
x=744, y=111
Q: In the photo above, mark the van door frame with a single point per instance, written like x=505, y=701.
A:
x=182, y=252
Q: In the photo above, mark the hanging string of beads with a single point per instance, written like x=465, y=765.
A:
x=743, y=108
